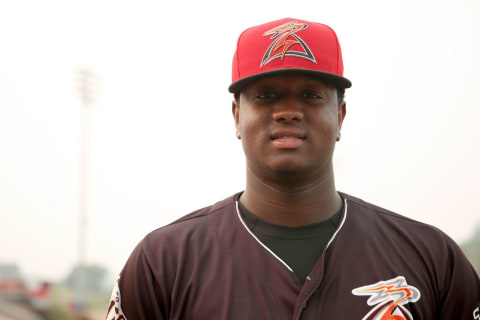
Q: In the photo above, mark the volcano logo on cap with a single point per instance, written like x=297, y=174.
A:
x=286, y=38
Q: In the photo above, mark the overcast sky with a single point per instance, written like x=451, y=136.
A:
x=161, y=135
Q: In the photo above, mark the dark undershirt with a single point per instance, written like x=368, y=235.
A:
x=299, y=247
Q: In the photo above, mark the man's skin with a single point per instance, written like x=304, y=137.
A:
x=289, y=124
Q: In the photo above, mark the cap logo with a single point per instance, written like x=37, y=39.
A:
x=286, y=38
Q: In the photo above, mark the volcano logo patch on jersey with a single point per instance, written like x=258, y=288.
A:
x=115, y=307
x=286, y=38
x=389, y=297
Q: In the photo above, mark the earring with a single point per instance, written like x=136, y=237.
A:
x=339, y=135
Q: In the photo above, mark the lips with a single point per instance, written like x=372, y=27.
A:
x=284, y=134
x=287, y=138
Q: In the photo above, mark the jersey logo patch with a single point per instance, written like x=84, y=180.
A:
x=389, y=298
x=286, y=38
x=114, y=307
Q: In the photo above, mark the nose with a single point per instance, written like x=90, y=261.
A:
x=287, y=112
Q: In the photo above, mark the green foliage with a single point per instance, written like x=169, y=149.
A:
x=471, y=248
x=59, y=313
x=62, y=298
x=92, y=278
x=9, y=272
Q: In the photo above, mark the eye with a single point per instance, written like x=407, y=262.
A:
x=312, y=95
x=263, y=95
x=266, y=96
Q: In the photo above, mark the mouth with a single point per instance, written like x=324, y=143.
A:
x=287, y=134
x=287, y=139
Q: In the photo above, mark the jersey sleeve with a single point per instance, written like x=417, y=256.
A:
x=137, y=295
x=461, y=295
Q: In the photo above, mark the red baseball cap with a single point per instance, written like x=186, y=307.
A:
x=287, y=45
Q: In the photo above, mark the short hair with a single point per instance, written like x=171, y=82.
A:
x=340, y=94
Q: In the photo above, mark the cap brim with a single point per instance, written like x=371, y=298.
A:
x=336, y=80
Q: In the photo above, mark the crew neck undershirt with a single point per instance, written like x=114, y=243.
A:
x=299, y=247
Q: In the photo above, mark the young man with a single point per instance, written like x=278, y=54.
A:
x=291, y=246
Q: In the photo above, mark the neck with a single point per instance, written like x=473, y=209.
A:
x=286, y=202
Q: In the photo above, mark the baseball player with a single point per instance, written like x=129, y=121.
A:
x=290, y=246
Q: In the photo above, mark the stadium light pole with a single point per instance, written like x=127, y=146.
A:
x=85, y=90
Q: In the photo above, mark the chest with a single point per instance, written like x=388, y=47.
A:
x=253, y=284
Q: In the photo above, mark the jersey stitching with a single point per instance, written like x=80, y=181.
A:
x=325, y=252
x=260, y=242
x=144, y=253
x=340, y=226
x=385, y=212
x=189, y=218
x=208, y=209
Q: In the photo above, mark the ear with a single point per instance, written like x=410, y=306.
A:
x=236, y=115
x=341, y=113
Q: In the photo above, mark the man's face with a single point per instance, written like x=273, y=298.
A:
x=288, y=124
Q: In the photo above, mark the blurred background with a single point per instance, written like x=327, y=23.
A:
x=115, y=120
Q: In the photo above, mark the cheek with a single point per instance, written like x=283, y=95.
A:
x=251, y=124
x=252, y=136
x=253, y=133
x=326, y=124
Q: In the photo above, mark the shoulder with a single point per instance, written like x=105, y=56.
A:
x=195, y=226
x=395, y=240
x=180, y=243
x=375, y=217
x=359, y=205
x=386, y=228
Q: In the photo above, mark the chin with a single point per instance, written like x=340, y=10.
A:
x=287, y=169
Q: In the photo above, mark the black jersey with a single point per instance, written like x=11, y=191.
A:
x=377, y=265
